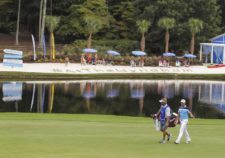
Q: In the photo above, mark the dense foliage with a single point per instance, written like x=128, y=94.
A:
x=116, y=20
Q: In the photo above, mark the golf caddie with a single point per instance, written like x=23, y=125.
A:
x=164, y=114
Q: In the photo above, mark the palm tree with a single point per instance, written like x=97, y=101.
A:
x=93, y=25
x=167, y=24
x=143, y=26
x=52, y=23
x=43, y=6
x=195, y=26
x=18, y=23
x=40, y=22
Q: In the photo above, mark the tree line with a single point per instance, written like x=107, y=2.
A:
x=159, y=25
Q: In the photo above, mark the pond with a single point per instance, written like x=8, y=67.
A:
x=206, y=99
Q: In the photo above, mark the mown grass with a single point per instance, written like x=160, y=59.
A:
x=101, y=136
x=7, y=76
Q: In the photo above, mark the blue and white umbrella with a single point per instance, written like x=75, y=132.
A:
x=169, y=54
x=137, y=94
x=112, y=52
x=89, y=50
x=89, y=94
x=189, y=56
x=112, y=93
x=138, y=53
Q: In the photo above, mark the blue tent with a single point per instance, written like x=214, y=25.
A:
x=215, y=51
x=220, y=107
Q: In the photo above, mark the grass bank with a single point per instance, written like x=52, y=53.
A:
x=99, y=136
x=60, y=76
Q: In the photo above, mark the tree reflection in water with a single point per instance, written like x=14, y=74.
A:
x=120, y=97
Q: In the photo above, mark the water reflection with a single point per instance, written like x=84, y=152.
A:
x=12, y=92
x=121, y=97
x=138, y=92
x=88, y=91
x=213, y=94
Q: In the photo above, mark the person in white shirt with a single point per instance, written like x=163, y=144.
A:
x=183, y=113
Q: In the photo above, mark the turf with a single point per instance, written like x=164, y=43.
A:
x=6, y=76
x=100, y=136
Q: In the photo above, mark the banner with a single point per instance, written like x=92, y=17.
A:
x=10, y=51
x=33, y=41
x=12, y=56
x=13, y=62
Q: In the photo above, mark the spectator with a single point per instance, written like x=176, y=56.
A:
x=165, y=62
x=93, y=62
x=177, y=63
x=142, y=61
x=160, y=62
x=132, y=62
x=89, y=57
x=67, y=61
x=82, y=60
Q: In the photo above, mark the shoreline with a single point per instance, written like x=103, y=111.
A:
x=60, y=71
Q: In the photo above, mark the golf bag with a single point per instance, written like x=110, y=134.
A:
x=172, y=121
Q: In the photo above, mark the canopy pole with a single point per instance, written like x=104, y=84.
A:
x=200, y=53
x=212, y=55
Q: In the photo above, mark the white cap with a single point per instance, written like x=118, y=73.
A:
x=163, y=100
x=183, y=101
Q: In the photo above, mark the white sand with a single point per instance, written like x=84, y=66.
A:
x=101, y=69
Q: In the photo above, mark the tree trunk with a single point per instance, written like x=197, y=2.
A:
x=143, y=43
x=53, y=46
x=89, y=40
x=192, y=43
x=40, y=23
x=43, y=20
x=167, y=38
x=18, y=23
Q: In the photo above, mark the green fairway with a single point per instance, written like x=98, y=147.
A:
x=99, y=136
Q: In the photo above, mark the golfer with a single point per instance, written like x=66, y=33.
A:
x=183, y=113
x=164, y=115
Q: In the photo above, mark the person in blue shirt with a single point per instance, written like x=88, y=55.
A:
x=183, y=114
x=164, y=116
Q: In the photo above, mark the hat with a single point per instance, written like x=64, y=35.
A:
x=163, y=100
x=183, y=101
